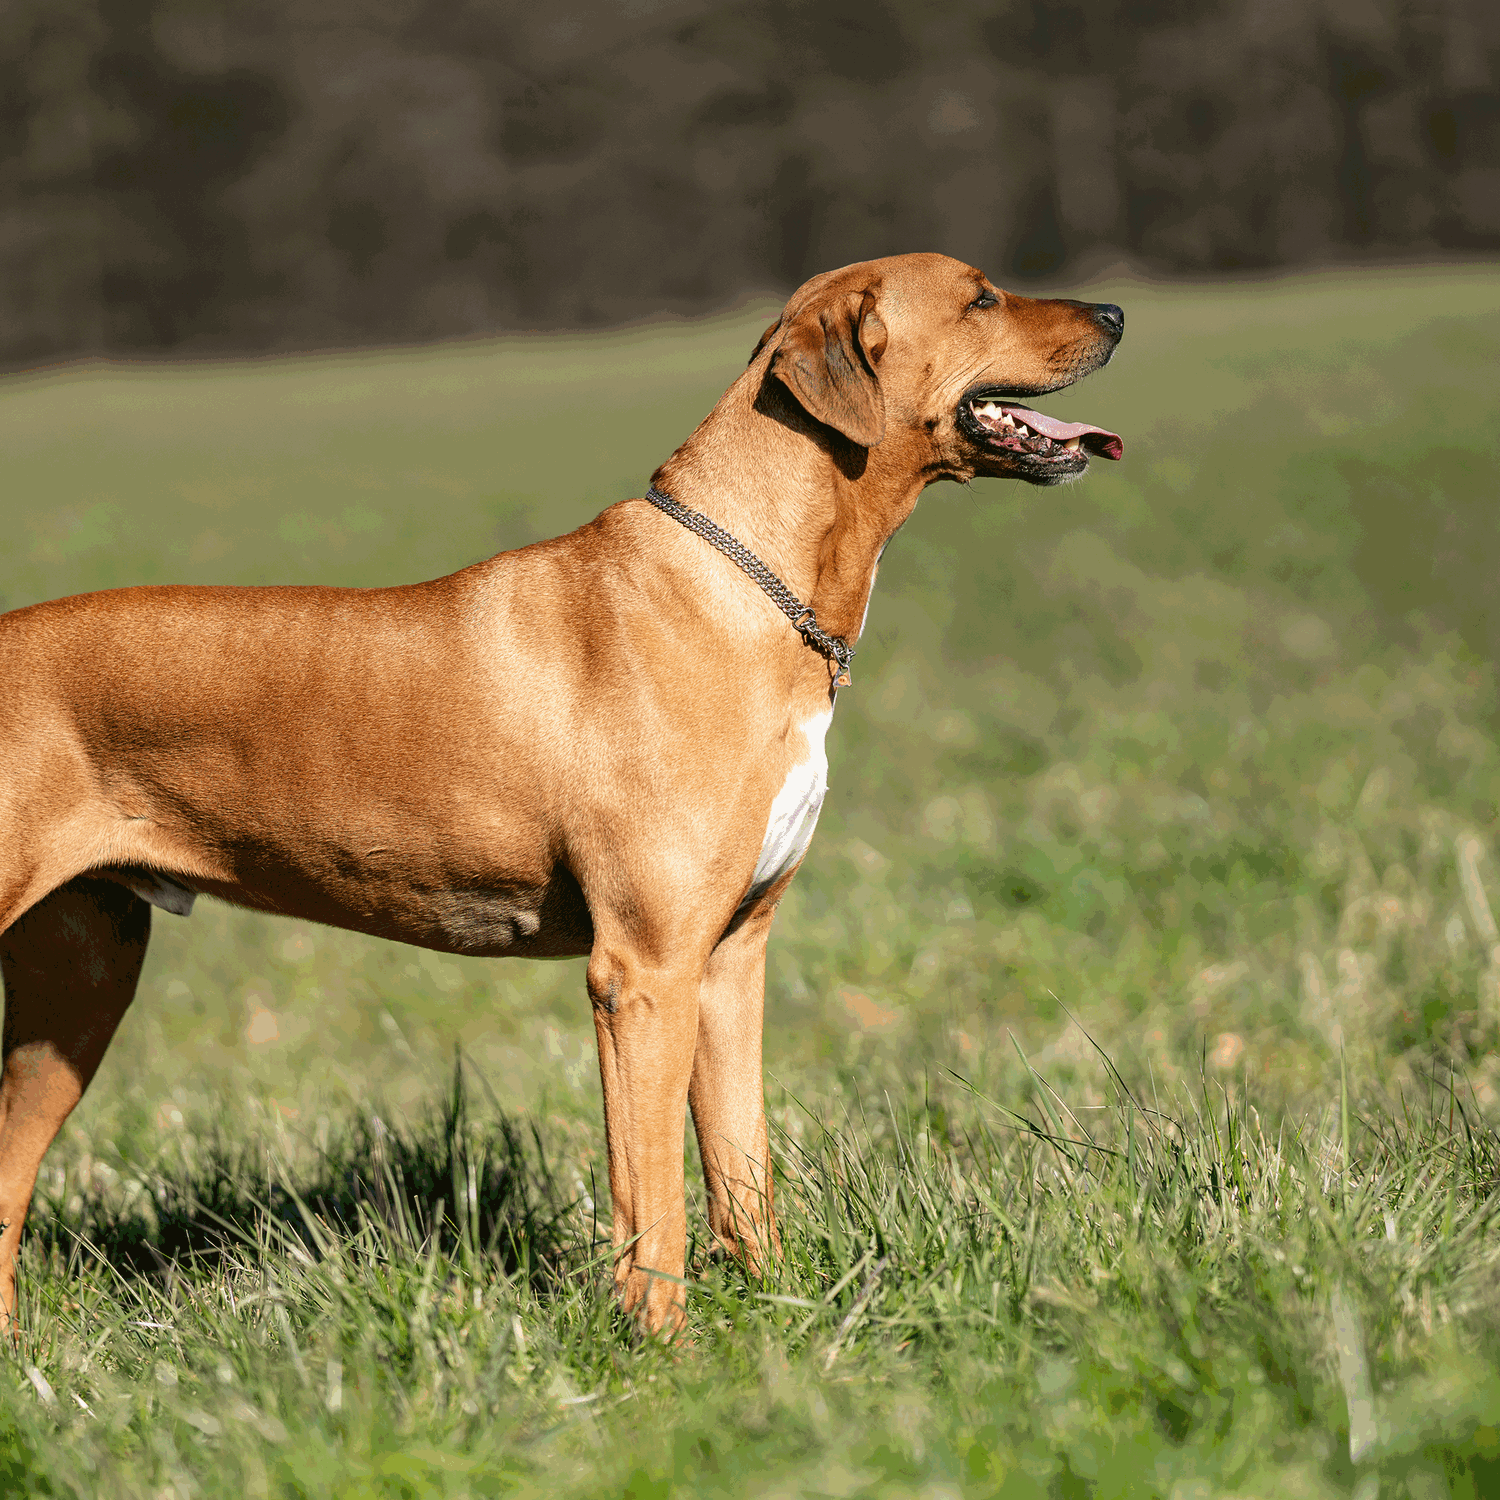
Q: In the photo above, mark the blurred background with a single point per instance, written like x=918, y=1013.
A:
x=183, y=175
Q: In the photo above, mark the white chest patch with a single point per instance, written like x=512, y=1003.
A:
x=794, y=812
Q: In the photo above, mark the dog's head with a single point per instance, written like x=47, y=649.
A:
x=923, y=350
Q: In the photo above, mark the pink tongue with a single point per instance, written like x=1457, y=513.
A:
x=1096, y=439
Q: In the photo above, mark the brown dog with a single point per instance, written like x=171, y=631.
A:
x=609, y=744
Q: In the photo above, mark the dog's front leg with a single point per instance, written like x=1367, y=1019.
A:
x=728, y=1097
x=646, y=1019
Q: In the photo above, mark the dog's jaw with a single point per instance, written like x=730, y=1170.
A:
x=1019, y=442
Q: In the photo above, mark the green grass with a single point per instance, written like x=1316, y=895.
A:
x=1132, y=1026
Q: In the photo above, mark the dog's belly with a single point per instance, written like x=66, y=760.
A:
x=550, y=921
x=485, y=918
x=794, y=812
x=464, y=891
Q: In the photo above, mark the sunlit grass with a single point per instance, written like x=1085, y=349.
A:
x=1153, y=1293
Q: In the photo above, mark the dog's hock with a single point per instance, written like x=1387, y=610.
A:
x=827, y=358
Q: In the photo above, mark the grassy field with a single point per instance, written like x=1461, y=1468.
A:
x=1132, y=1029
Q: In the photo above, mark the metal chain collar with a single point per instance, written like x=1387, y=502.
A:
x=833, y=647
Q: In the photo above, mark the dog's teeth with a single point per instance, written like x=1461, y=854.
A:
x=1072, y=445
x=1008, y=420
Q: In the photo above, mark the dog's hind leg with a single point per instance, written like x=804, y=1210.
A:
x=70, y=967
x=728, y=1097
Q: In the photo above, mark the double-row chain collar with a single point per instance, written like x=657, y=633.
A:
x=835, y=648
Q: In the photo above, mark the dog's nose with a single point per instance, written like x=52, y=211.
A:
x=1110, y=318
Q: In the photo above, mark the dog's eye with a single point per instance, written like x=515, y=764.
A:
x=985, y=299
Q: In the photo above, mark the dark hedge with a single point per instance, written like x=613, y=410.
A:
x=186, y=175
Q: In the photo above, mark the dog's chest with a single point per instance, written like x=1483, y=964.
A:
x=794, y=810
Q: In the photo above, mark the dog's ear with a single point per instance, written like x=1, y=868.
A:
x=827, y=359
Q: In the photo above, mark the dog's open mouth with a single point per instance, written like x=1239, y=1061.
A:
x=1021, y=430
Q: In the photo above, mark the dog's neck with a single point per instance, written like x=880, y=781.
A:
x=814, y=507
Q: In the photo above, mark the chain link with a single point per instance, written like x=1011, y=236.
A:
x=833, y=647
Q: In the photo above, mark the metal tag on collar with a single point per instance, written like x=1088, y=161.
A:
x=843, y=658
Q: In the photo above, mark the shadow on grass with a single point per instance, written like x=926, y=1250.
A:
x=474, y=1187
